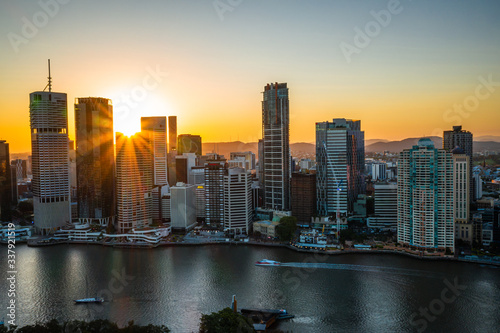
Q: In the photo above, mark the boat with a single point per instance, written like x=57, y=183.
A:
x=90, y=300
x=266, y=262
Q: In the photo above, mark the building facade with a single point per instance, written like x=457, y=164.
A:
x=275, y=159
x=154, y=131
x=386, y=208
x=340, y=165
x=464, y=140
x=183, y=207
x=5, y=183
x=134, y=178
x=95, y=160
x=215, y=169
x=303, y=196
x=50, y=160
x=238, y=212
x=425, y=197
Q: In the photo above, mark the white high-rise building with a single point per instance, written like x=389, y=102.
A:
x=237, y=201
x=426, y=197
x=183, y=207
x=134, y=182
x=154, y=130
x=50, y=160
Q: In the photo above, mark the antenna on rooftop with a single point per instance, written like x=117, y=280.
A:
x=50, y=81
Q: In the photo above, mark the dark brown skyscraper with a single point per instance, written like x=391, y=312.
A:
x=95, y=166
x=303, y=196
x=5, y=182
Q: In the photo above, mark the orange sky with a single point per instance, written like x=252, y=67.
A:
x=211, y=72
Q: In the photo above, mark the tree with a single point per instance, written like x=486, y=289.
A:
x=287, y=227
x=25, y=207
x=225, y=320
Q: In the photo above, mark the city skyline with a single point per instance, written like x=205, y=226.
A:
x=439, y=68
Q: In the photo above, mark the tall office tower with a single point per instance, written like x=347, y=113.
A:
x=20, y=167
x=276, y=147
x=260, y=163
x=386, y=208
x=478, y=185
x=238, y=210
x=340, y=165
x=172, y=134
x=463, y=139
x=95, y=160
x=200, y=201
x=50, y=157
x=154, y=130
x=215, y=169
x=425, y=197
x=303, y=196
x=183, y=207
x=172, y=149
x=5, y=183
x=187, y=143
x=134, y=177
x=461, y=185
x=247, y=156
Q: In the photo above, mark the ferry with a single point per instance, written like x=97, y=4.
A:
x=90, y=300
x=266, y=262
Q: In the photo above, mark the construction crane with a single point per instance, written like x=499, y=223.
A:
x=339, y=188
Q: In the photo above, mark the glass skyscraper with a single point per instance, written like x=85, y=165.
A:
x=340, y=165
x=275, y=159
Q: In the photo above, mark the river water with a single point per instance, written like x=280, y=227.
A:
x=175, y=285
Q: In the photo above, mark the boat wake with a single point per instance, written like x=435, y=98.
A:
x=360, y=268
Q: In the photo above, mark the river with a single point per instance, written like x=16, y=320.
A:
x=175, y=285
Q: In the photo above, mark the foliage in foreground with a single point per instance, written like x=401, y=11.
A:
x=75, y=326
x=226, y=320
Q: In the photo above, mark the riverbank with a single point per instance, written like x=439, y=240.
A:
x=37, y=243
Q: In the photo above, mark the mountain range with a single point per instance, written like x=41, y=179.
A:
x=306, y=149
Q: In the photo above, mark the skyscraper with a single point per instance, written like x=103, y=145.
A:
x=275, y=157
x=154, y=131
x=238, y=210
x=5, y=182
x=215, y=169
x=172, y=149
x=95, y=160
x=426, y=197
x=303, y=196
x=50, y=158
x=134, y=176
x=187, y=143
x=464, y=140
x=172, y=134
x=340, y=165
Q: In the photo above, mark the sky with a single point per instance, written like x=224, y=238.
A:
x=404, y=68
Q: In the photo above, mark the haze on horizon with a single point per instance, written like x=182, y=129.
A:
x=428, y=66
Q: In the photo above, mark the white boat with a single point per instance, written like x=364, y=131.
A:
x=266, y=262
x=90, y=300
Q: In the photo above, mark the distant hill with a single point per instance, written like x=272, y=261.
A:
x=398, y=146
x=299, y=149
x=372, y=141
x=308, y=150
x=494, y=138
